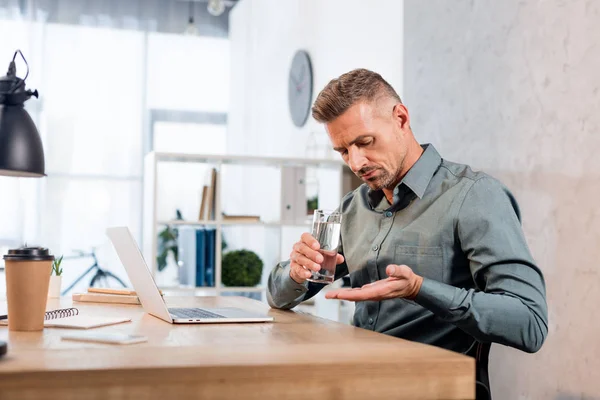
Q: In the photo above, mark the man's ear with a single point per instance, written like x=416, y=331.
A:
x=400, y=114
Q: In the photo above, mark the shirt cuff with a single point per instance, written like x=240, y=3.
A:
x=290, y=285
x=436, y=296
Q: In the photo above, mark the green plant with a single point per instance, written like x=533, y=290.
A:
x=56, y=268
x=312, y=204
x=223, y=242
x=167, y=242
x=241, y=268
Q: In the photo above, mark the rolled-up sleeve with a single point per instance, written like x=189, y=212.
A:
x=282, y=291
x=508, y=305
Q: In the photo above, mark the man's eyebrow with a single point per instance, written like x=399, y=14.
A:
x=358, y=138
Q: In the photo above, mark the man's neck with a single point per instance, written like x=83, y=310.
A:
x=412, y=156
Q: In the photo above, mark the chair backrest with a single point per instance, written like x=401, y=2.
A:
x=481, y=353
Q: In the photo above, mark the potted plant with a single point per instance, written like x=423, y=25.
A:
x=55, y=278
x=242, y=268
x=167, y=243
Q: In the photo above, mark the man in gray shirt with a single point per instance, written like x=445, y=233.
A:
x=435, y=251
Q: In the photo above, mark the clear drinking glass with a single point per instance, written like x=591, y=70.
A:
x=326, y=229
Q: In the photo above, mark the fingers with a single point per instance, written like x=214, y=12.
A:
x=310, y=241
x=340, y=259
x=335, y=294
x=356, y=294
x=398, y=271
x=305, y=262
x=298, y=273
x=305, y=258
x=302, y=249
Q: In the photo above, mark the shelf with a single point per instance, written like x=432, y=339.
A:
x=268, y=223
x=247, y=160
x=211, y=290
x=193, y=223
x=229, y=223
x=242, y=289
x=276, y=227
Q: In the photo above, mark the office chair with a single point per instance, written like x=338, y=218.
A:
x=481, y=353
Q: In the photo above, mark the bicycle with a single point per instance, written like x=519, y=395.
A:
x=101, y=275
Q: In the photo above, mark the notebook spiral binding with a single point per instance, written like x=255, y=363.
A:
x=62, y=313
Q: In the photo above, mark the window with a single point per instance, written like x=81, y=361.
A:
x=97, y=87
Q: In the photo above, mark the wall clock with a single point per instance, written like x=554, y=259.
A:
x=300, y=85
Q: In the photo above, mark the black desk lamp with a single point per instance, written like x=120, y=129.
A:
x=21, y=151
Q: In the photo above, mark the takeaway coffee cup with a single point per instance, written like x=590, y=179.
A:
x=28, y=272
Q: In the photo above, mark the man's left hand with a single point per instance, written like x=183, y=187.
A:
x=401, y=282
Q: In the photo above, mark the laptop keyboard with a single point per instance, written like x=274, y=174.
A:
x=193, y=313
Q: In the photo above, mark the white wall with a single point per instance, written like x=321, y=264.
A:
x=339, y=35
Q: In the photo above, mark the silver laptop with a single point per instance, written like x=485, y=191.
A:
x=150, y=297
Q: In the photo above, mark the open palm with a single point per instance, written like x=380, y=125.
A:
x=401, y=282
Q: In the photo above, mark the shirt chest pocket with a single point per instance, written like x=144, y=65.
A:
x=425, y=261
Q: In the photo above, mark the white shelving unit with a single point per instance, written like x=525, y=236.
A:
x=152, y=193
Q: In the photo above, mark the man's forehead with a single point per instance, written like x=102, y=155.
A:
x=348, y=127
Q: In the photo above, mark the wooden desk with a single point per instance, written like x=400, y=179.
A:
x=296, y=357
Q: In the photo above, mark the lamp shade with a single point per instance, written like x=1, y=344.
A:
x=21, y=151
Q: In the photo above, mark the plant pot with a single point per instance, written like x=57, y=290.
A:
x=55, y=285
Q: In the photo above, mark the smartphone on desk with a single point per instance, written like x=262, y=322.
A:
x=105, y=337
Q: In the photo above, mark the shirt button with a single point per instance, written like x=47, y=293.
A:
x=370, y=321
x=388, y=214
x=375, y=248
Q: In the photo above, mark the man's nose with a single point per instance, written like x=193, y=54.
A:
x=356, y=160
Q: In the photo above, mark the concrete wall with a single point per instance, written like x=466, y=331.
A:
x=512, y=87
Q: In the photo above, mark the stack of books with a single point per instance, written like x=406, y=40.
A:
x=196, y=254
x=106, y=295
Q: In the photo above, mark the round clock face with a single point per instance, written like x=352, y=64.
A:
x=300, y=84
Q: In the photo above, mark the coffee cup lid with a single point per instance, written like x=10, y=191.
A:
x=29, y=254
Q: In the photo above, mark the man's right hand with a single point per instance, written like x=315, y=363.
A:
x=305, y=257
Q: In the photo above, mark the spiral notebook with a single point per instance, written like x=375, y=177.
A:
x=69, y=318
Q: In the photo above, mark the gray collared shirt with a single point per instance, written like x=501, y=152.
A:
x=461, y=231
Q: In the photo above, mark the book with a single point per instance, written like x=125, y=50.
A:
x=106, y=298
x=60, y=313
x=200, y=256
x=211, y=195
x=212, y=198
x=197, y=252
x=70, y=318
x=209, y=260
x=84, y=322
x=203, y=204
x=128, y=292
x=124, y=291
x=241, y=218
x=186, y=250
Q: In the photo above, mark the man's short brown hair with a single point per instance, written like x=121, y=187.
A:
x=350, y=88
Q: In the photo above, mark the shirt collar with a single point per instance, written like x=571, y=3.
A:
x=416, y=179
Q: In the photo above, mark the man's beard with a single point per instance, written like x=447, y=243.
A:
x=383, y=180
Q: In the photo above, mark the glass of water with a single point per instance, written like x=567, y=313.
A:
x=326, y=229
